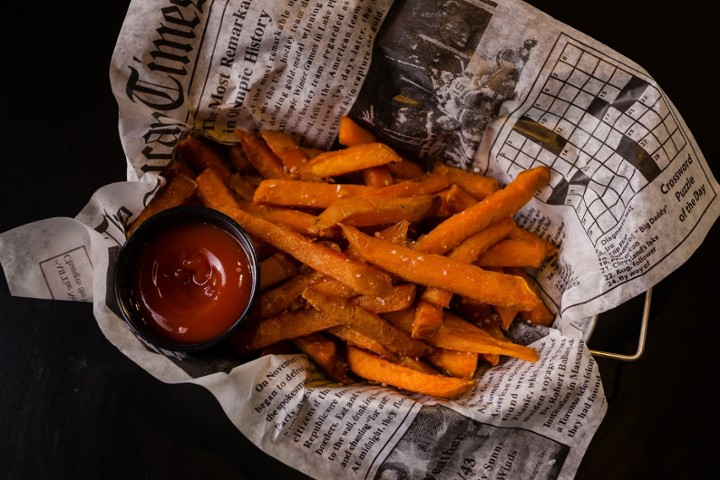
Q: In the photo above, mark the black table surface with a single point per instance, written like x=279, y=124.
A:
x=72, y=406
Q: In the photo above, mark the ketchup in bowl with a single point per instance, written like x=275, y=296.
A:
x=186, y=278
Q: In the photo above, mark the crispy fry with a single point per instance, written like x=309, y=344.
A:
x=458, y=199
x=260, y=156
x=367, y=323
x=351, y=133
x=397, y=233
x=363, y=278
x=276, y=268
x=239, y=160
x=458, y=334
x=295, y=219
x=324, y=353
x=278, y=141
x=443, y=272
x=467, y=252
x=427, y=320
x=430, y=183
x=334, y=163
x=285, y=295
x=178, y=191
x=402, y=298
x=377, y=177
x=503, y=203
x=331, y=286
x=454, y=362
x=520, y=233
x=513, y=253
x=506, y=315
x=241, y=186
x=212, y=190
x=200, y=155
x=376, y=369
x=367, y=211
x=286, y=148
x=406, y=169
x=252, y=336
x=541, y=314
x=353, y=337
x=298, y=193
x=416, y=364
x=294, y=158
x=475, y=312
x=479, y=186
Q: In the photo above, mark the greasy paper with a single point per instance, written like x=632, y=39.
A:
x=495, y=87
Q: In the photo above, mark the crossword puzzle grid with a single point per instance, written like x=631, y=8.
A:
x=605, y=133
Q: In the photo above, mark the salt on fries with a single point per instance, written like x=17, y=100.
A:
x=371, y=266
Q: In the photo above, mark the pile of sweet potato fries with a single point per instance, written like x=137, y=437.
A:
x=372, y=266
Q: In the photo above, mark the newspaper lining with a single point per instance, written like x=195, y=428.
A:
x=496, y=87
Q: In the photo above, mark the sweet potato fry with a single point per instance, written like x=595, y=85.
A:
x=520, y=233
x=353, y=337
x=458, y=199
x=324, y=353
x=252, y=336
x=467, y=252
x=454, y=362
x=298, y=193
x=406, y=169
x=397, y=233
x=239, y=160
x=401, y=298
x=427, y=320
x=278, y=141
x=331, y=286
x=367, y=323
x=260, y=156
x=513, y=253
x=276, y=268
x=285, y=295
x=213, y=191
x=502, y=203
x=241, y=186
x=286, y=148
x=443, y=272
x=430, y=183
x=200, y=155
x=367, y=211
x=479, y=186
x=416, y=364
x=294, y=158
x=377, y=177
x=351, y=133
x=361, y=277
x=177, y=191
x=378, y=370
x=335, y=163
x=458, y=334
x=541, y=314
x=298, y=220
x=506, y=316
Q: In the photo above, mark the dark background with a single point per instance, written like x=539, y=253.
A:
x=72, y=406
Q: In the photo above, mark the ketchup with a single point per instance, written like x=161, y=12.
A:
x=192, y=282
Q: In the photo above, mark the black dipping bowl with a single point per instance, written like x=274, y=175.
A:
x=125, y=293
